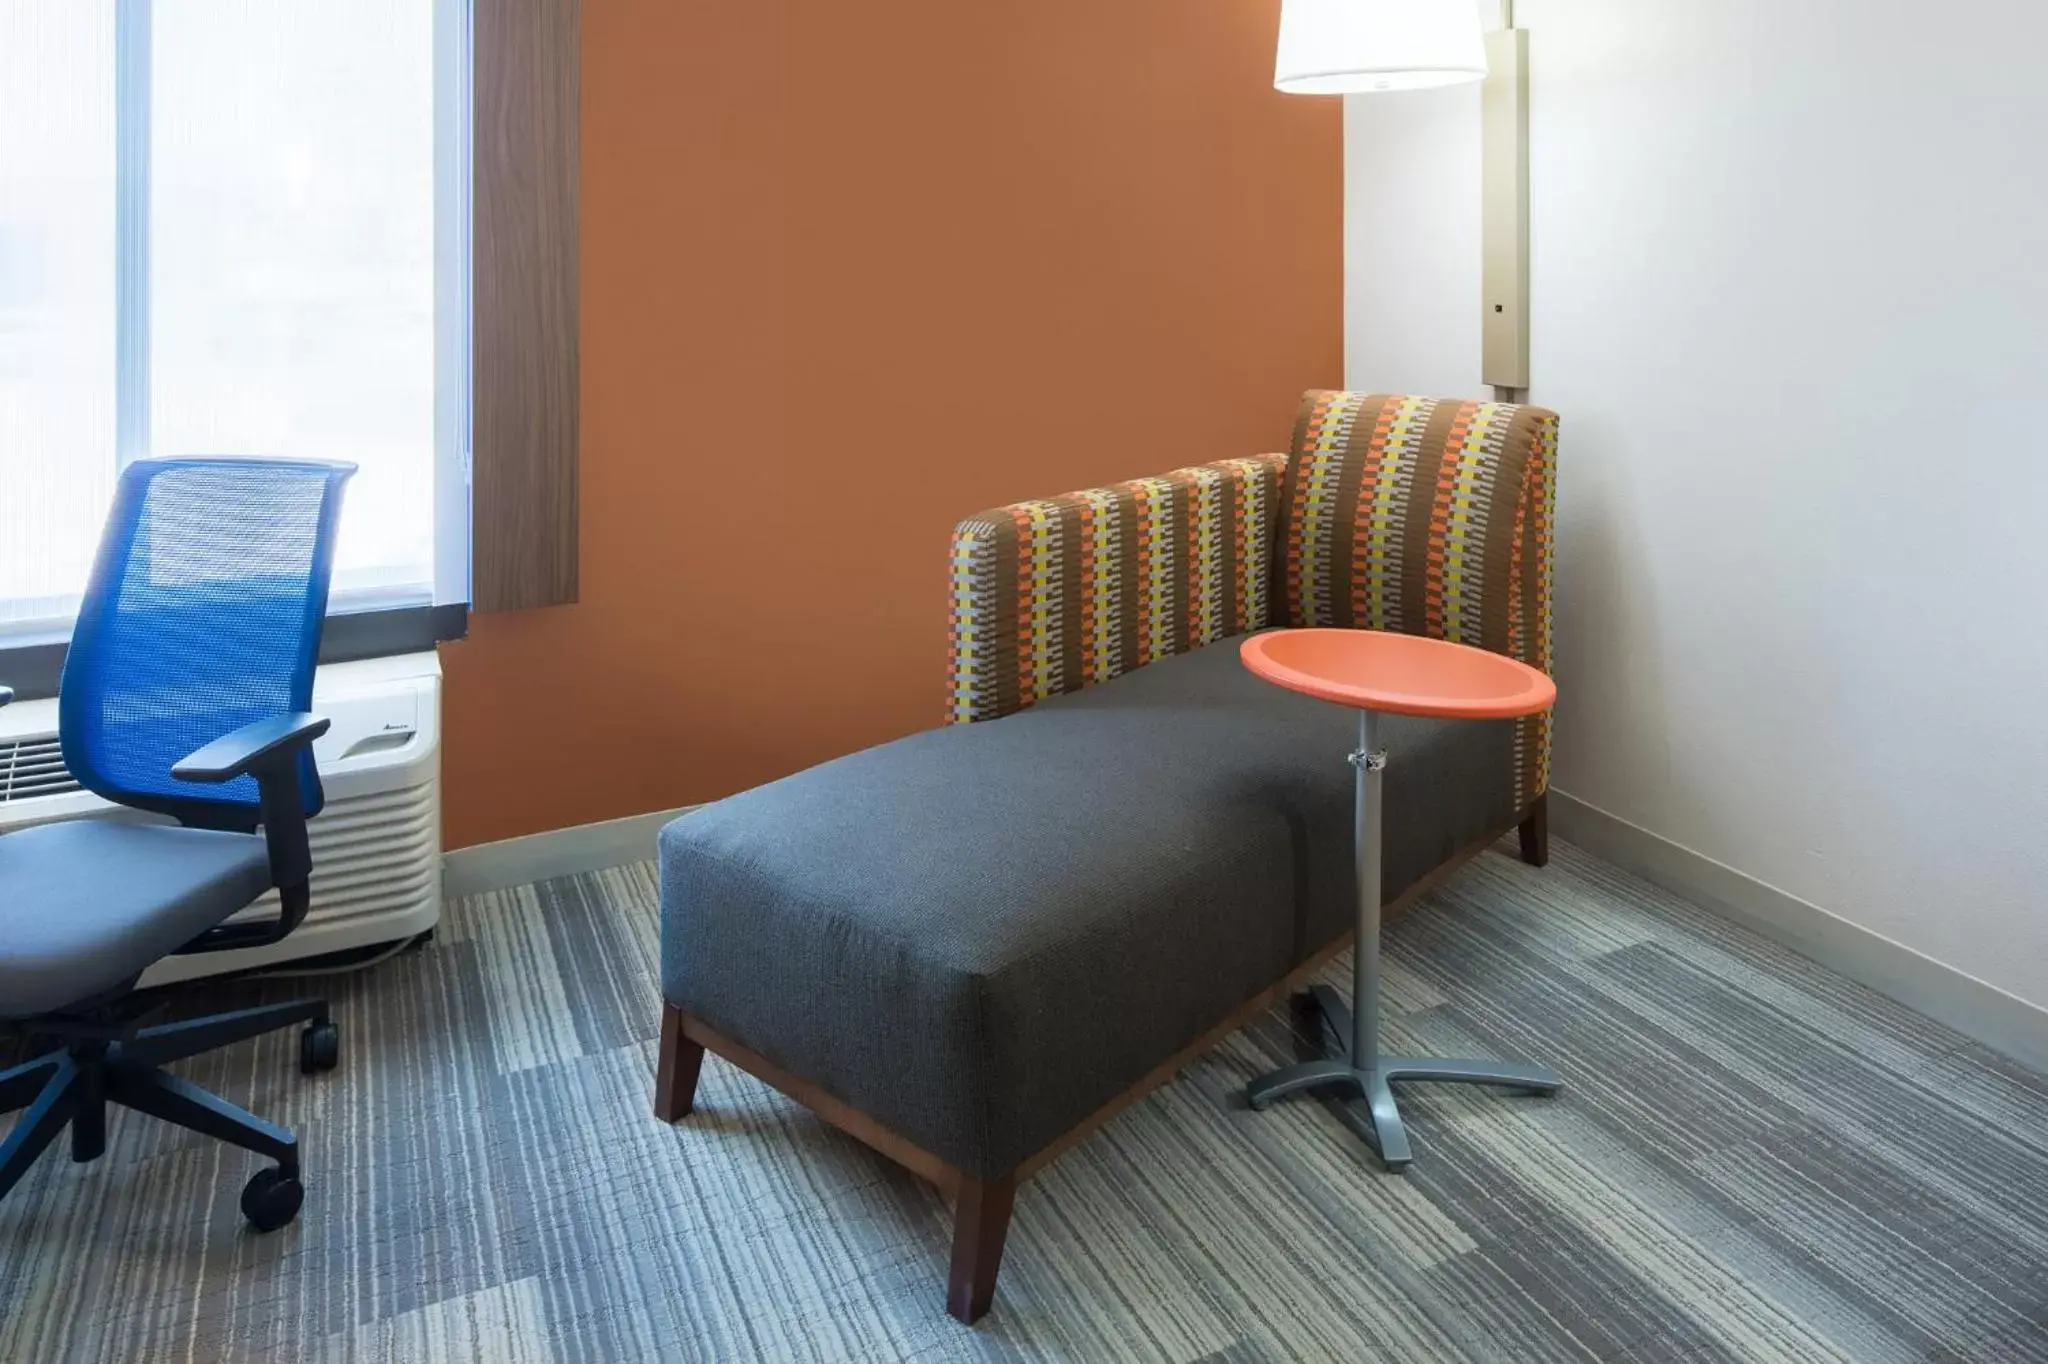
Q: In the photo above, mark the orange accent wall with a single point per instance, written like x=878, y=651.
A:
x=850, y=272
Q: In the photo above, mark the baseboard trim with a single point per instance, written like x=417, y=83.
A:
x=553, y=852
x=1979, y=1010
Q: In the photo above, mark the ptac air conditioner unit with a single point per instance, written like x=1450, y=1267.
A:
x=376, y=847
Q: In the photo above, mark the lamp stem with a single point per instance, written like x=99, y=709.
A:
x=1502, y=393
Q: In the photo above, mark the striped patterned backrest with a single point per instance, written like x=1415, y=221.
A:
x=1431, y=517
x=1053, y=595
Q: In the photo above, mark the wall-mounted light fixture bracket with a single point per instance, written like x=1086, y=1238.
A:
x=1504, y=212
x=1336, y=47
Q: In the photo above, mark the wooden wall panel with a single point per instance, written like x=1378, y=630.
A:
x=525, y=246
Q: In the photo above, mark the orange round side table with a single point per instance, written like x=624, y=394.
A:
x=1379, y=673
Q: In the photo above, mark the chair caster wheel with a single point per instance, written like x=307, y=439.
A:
x=271, y=1200
x=319, y=1048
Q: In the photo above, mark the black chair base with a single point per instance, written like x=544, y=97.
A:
x=72, y=1088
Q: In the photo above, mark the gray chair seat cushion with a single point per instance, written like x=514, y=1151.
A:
x=86, y=905
x=981, y=934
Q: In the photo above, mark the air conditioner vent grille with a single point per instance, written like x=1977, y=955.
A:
x=33, y=767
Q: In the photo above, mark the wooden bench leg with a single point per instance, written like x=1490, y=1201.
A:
x=675, y=1076
x=981, y=1222
x=1535, y=832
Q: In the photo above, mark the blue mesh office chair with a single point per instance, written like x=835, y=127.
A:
x=185, y=694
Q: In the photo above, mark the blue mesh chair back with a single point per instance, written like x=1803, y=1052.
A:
x=203, y=614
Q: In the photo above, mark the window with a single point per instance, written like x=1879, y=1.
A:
x=234, y=227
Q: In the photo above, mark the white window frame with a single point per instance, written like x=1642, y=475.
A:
x=453, y=123
x=454, y=314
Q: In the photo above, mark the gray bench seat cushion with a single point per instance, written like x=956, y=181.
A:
x=981, y=934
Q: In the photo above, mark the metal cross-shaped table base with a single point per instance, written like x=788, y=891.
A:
x=1386, y=1134
x=1364, y=1071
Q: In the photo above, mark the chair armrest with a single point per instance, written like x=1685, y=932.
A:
x=252, y=748
x=268, y=750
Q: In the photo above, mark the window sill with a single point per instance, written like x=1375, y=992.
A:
x=33, y=670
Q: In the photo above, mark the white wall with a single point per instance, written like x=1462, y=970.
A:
x=1790, y=294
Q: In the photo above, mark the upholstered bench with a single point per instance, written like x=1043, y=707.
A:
x=972, y=946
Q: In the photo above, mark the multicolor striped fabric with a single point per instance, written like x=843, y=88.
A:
x=1430, y=517
x=1053, y=595
x=1423, y=515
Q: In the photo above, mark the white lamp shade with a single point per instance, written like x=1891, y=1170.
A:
x=1339, y=47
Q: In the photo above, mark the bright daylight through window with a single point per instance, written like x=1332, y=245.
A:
x=233, y=227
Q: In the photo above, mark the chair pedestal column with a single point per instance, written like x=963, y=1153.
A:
x=89, y=1102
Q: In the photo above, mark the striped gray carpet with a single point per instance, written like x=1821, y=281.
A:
x=1741, y=1168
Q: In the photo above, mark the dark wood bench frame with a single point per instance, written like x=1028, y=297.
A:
x=981, y=1207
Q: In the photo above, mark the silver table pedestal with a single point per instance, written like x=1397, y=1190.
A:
x=1365, y=1072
